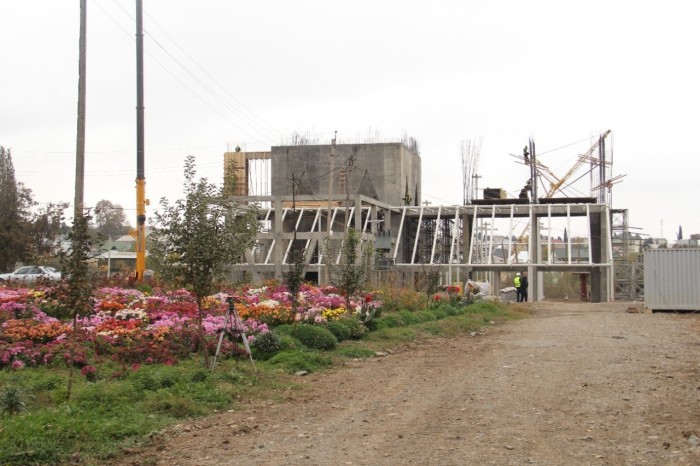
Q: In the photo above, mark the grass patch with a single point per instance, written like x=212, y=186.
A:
x=292, y=361
x=125, y=404
x=103, y=417
x=396, y=334
x=433, y=328
x=354, y=352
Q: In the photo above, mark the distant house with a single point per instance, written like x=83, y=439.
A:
x=655, y=243
x=686, y=243
x=124, y=243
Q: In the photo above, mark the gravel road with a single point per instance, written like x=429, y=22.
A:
x=575, y=384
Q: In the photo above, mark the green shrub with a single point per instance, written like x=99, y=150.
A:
x=356, y=328
x=290, y=343
x=339, y=329
x=268, y=342
x=314, y=336
x=284, y=329
x=12, y=401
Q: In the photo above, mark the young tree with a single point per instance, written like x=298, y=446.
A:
x=77, y=288
x=196, y=238
x=353, y=267
x=110, y=219
x=294, y=277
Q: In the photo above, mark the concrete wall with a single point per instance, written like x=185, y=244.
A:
x=383, y=171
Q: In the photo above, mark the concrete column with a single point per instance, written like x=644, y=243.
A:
x=278, y=228
x=599, y=289
x=358, y=214
x=533, y=256
x=496, y=284
x=466, y=234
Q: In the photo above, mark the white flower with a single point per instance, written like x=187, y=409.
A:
x=270, y=304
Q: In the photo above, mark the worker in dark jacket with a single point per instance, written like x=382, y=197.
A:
x=523, y=288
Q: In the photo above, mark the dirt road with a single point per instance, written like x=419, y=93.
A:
x=574, y=384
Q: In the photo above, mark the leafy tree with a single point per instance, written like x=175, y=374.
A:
x=24, y=235
x=110, y=219
x=16, y=202
x=45, y=231
x=196, y=238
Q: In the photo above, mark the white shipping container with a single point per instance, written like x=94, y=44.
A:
x=672, y=279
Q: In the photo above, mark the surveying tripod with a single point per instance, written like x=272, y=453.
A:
x=233, y=326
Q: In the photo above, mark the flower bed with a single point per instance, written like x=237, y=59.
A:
x=131, y=327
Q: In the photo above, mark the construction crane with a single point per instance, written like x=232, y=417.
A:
x=586, y=157
x=141, y=200
x=556, y=183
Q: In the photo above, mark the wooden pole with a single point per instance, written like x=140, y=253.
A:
x=79, y=201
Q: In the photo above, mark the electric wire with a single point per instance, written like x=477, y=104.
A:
x=192, y=91
x=260, y=129
x=262, y=121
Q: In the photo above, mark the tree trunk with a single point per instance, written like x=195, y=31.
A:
x=200, y=332
x=74, y=339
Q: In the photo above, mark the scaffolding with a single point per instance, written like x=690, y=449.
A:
x=452, y=240
x=629, y=274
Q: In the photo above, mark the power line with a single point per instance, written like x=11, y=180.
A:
x=263, y=122
x=192, y=91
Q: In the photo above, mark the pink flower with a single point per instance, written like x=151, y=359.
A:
x=90, y=373
x=17, y=364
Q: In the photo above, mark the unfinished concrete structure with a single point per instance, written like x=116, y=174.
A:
x=319, y=192
x=388, y=172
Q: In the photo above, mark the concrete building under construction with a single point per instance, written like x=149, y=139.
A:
x=310, y=195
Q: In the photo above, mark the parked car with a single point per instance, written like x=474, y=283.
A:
x=31, y=273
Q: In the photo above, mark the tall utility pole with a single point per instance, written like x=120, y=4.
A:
x=327, y=272
x=140, y=171
x=79, y=202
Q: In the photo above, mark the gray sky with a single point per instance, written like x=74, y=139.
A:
x=222, y=72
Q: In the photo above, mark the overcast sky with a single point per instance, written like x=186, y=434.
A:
x=220, y=73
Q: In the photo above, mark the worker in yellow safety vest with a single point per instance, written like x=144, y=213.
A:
x=516, y=283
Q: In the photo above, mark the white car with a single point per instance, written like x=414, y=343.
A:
x=31, y=273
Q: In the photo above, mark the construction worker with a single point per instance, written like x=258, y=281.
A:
x=516, y=284
x=523, y=288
